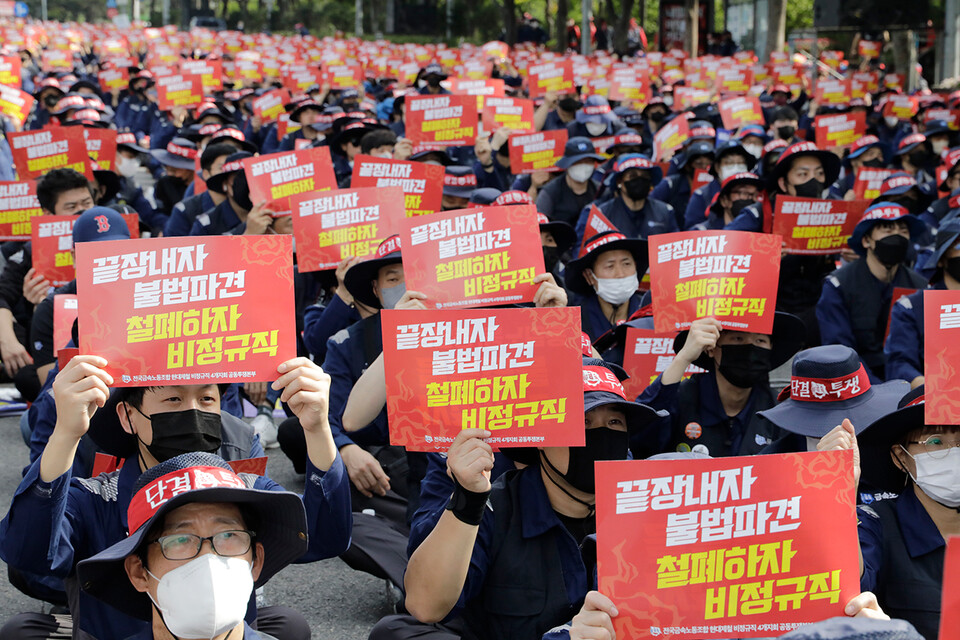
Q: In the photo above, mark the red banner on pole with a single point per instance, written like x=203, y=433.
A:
x=728, y=275
x=166, y=311
x=448, y=120
x=840, y=130
x=726, y=547
x=37, y=152
x=866, y=184
x=740, y=111
x=52, y=240
x=647, y=354
x=344, y=223
x=64, y=314
x=275, y=177
x=422, y=183
x=539, y=151
x=473, y=257
x=810, y=226
x=18, y=205
x=941, y=350
x=515, y=372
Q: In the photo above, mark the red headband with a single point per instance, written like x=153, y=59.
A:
x=150, y=498
x=830, y=389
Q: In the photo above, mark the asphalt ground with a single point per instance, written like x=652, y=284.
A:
x=338, y=602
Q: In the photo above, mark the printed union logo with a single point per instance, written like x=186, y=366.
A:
x=428, y=438
x=654, y=631
x=126, y=378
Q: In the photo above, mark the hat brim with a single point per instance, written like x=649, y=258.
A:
x=215, y=182
x=816, y=419
x=879, y=472
x=445, y=158
x=567, y=161
x=295, y=114
x=166, y=158
x=787, y=338
x=945, y=241
x=916, y=226
x=132, y=147
x=282, y=530
x=563, y=234
x=359, y=278
x=831, y=166
x=573, y=274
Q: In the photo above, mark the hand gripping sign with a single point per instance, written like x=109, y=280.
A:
x=473, y=257
x=445, y=120
x=728, y=275
x=166, y=311
x=726, y=547
x=647, y=354
x=941, y=350
x=274, y=178
x=422, y=184
x=514, y=372
x=340, y=224
x=810, y=226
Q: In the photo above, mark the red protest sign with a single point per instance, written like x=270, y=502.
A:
x=515, y=114
x=10, y=71
x=482, y=89
x=344, y=223
x=866, y=184
x=634, y=86
x=839, y=130
x=18, y=205
x=271, y=104
x=728, y=275
x=15, y=104
x=862, y=83
x=941, y=349
x=596, y=223
x=179, y=91
x=550, y=76
x=344, y=76
x=188, y=310
x=52, y=239
x=255, y=466
x=422, y=183
x=833, y=92
x=670, y=137
x=446, y=120
x=734, y=79
x=64, y=315
x=275, y=177
x=540, y=151
x=810, y=226
x=647, y=354
x=36, y=152
x=950, y=599
x=740, y=111
x=210, y=72
x=473, y=257
x=102, y=147
x=869, y=48
x=726, y=547
x=898, y=293
x=900, y=105
x=113, y=79
x=515, y=372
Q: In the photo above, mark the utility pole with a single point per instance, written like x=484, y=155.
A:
x=585, y=8
x=358, y=21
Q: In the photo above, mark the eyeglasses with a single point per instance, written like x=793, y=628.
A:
x=184, y=546
x=936, y=445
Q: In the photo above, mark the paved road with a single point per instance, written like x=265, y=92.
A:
x=339, y=603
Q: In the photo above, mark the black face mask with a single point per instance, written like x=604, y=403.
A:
x=601, y=444
x=739, y=205
x=638, y=188
x=744, y=365
x=953, y=268
x=786, y=132
x=812, y=188
x=656, y=116
x=169, y=191
x=241, y=191
x=551, y=256
x=433, y=81
x=176, y=432
x=50, y=101
x=919, y=158
x=569, y=104
x=876, y=163
x=891, y=250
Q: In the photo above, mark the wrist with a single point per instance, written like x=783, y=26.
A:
x=467, y=506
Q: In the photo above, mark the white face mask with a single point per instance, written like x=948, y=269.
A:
x=729, y=170
x=756, y=150
x=596, y=128
x=386, y=155
x=891, y=121
x=127, y=167
x=206, y=597
x=939, y=478
x=668, y=100
x=938, y=146
x=616, y=291
x=812, y=443
x=580, y=172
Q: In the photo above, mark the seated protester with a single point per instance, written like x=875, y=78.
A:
x=632, y=211
x=938, y=134
x=594, y=119
x=864, y=152
x=656, y=113
x=739, y=191
x=60, y=192
x=333, y=311
x=564, y=197
x=829, y=395
x=429, y=80
x=178, y=161
x=914, y=156
x=715, y=412
x=624, y=142
x=66, y=107
x=164, y=575
x=890, y=128
x=304, y=113
x=135, y=111
x=237, y=215
x=47, y=95
x=345, y=145
x=853, y=306
x=904, y=342
x=752, y=138
x=783, y=122
x=556, y=111
x=455, y=577
x=730, y=158
x=902, y=188
x=902, y=541
x=378, y=143
x=675, y=189
x=492, y=166
x=801, y=170
x=768, y=159
x=129, y=155
x=556, y=238
x=185, y=212
x=604, y=280
x=458, y=183
x=56, y=520
x=946, y=190
x=700, y=131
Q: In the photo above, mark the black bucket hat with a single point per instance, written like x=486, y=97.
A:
x=231, y=166
x=787, y=338
x=593, y=248
x=879, y=471
x=359, y=278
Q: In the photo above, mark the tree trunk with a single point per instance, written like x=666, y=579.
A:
x=693, y=28
x=547, y=23
x=560, y=25
x=622, y=27
x=776, y=26
x=510, y=22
